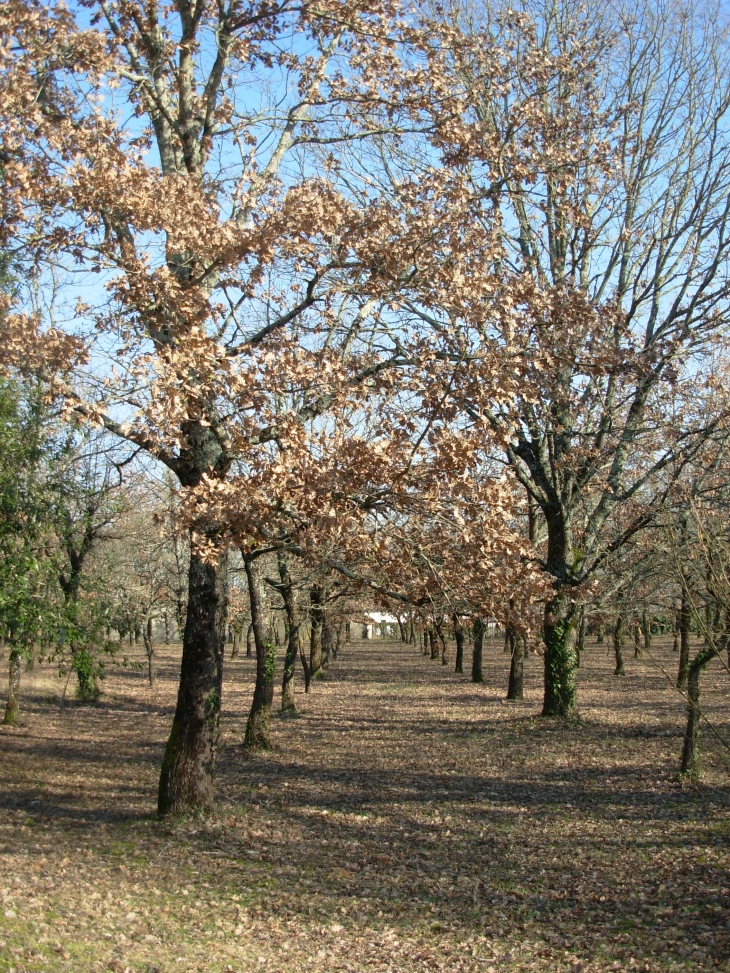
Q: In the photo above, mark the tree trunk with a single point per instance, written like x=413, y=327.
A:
x=293, y=647
x=237, y=638
x=257, y=727
x=618, y=645
x=149, y=647
x=476, y=659
x=646, y=629
x=599, y=633
x=684, y=620
x=441, y=639
x=459, y=637
x=434, y=644
x=689, y=750
x=12, y=707
x=581, y=643
x=305, y=666
x=166, y=620
x=638, y=642
x=249, y=642
x=515, y=689
x=339, y=639
x=329, y=636
x=316, y=596
x=186, y=780
x=560, y=658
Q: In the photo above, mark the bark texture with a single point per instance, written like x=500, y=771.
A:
x=560, y=659
x=186, y=779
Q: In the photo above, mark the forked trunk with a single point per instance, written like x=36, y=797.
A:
x=257, y=727
x=560, y=696
x=12, y=707
x=186, y=780
x=694, y=714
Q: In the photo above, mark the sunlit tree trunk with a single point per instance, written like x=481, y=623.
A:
x=257, y=727
x=186, y=780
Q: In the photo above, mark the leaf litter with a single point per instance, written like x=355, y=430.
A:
x=405, y=820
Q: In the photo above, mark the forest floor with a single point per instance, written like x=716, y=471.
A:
x=405, y=820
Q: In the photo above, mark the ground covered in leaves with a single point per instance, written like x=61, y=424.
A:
x=405, y=820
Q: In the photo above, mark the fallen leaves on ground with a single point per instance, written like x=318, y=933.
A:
x=405, y=820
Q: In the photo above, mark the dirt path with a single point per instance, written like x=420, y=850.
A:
x=406, y=820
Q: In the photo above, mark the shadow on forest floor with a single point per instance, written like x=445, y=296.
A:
x=405, y=821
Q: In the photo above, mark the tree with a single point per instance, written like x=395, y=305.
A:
x=30, y=608
x=216, y=245
x=595, y=140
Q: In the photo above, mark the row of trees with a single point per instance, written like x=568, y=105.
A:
x=434, y=301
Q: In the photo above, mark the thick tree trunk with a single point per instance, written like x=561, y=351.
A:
x=257, y=727
x=560, y=697
x=434, y=644
x=599, y=633
x=12, y=708
x=186, y=780
x=249, y=642
x=618, y=646
x=684, y=620
x=476, y=659
x=459, y=638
